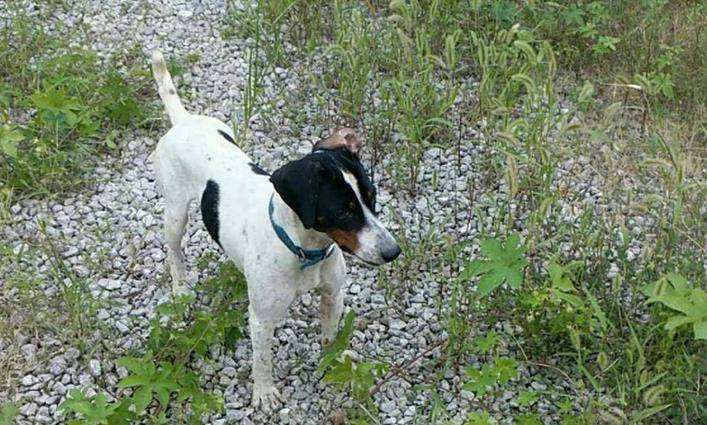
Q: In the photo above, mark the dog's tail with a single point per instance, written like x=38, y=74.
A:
x=166, y=89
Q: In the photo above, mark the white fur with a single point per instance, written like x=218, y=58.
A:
x=193, y=152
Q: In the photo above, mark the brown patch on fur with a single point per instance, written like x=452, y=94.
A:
x=341, y=138
x=348, y=240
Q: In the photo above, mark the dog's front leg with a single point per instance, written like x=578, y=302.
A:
x=267, y=309
x=332, y=300
x=261, y=336
x=332, y=305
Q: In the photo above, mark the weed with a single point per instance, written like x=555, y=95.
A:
x=504, y=264
x=674, y=292
x=358, y=377
x=161, y=378
x=57, y=109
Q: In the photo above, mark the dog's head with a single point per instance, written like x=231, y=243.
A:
x=330, y=192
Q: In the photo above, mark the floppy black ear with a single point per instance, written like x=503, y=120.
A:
x=297, y=183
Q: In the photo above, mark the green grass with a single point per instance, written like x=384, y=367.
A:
x=60, y=106
x=620, y=83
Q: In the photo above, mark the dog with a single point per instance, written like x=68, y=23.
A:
x=285, y=231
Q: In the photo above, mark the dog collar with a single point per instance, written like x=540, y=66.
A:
x=307, y=257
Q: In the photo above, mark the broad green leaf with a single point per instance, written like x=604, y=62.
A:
x=571, y=299
x=504, y=264
x=677, y=321
x=492, y=248
x=76, y=402
x=490, y=281
x=677, y=302
x=162, y=395
x=93, y=411
x=679, y=283
x=232, y=334
x=8, y=140
x=341, y=372
x=700, y=329
x=513, y=246
x=699, y=298
x=100, y=410
x=559, y=278
x=482, y=418
x=480, y=380
x=674, y=292
x=141, y=398
x=472, y=269
x=598, y=312
x=133, y=364
x=527, y=398
x=514, y=277
x=507, y=369
x=133, y=381
x=485, y=344
x=121, y=413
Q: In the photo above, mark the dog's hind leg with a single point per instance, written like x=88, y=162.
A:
x=175, y=221
x=176, y=214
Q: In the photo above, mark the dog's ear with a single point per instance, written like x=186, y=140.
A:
x=341, y=138
x=297, y=183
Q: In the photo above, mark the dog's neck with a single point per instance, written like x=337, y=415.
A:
x=286, y=218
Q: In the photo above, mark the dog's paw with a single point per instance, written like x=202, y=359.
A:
x=265, y=397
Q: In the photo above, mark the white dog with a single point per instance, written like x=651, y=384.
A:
x=285, y=232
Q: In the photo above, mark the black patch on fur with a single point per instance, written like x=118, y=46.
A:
x=227, y=137
x=315, y=189
x=257, y=169
x=350, y=162
x=171, y=91
x=298, y=183
x=209, y=209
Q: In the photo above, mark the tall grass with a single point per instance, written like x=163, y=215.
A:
x=541, y=84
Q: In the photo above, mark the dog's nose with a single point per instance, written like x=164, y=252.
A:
x=391, y=254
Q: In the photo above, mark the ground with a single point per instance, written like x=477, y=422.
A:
x=104, y=239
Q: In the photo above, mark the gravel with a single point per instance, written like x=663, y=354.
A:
x=116, y=224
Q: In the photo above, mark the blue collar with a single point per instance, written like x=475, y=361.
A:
x=307, y=257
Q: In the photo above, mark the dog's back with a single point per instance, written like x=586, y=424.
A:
x=197, y=148
x=198, y=159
